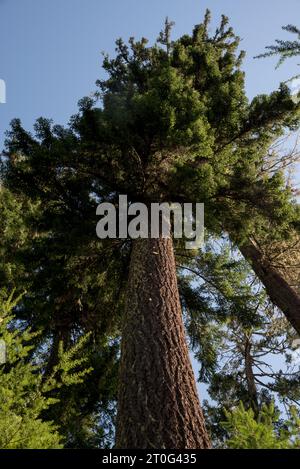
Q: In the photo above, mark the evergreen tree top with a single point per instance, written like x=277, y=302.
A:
x=174, y=123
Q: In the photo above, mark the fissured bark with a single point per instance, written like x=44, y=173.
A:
x=158, y=405
x=278, y=289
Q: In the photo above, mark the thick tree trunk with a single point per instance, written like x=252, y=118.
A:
x=158, y=405
x=278, y=289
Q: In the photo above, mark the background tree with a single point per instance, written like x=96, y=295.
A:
x=24, y=396
x=37, y=256
x=280, y=278
x=242, y=341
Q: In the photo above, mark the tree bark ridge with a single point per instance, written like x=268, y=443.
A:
x=158, y=405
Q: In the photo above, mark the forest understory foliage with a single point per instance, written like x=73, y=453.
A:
x=170, y=123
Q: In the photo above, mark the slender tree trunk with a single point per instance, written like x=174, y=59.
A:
x=60, y=334
x=158, y=405
x=278, y=289
x=252, y=390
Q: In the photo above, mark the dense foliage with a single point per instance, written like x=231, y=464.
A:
x=24, y=395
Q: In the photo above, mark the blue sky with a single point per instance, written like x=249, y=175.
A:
x=50, y=51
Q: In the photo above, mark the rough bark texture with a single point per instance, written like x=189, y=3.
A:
x=158, y=405
x=280, y=292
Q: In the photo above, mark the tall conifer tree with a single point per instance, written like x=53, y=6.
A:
x=174, y=125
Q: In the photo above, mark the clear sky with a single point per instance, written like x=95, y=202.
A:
x=50, y=50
